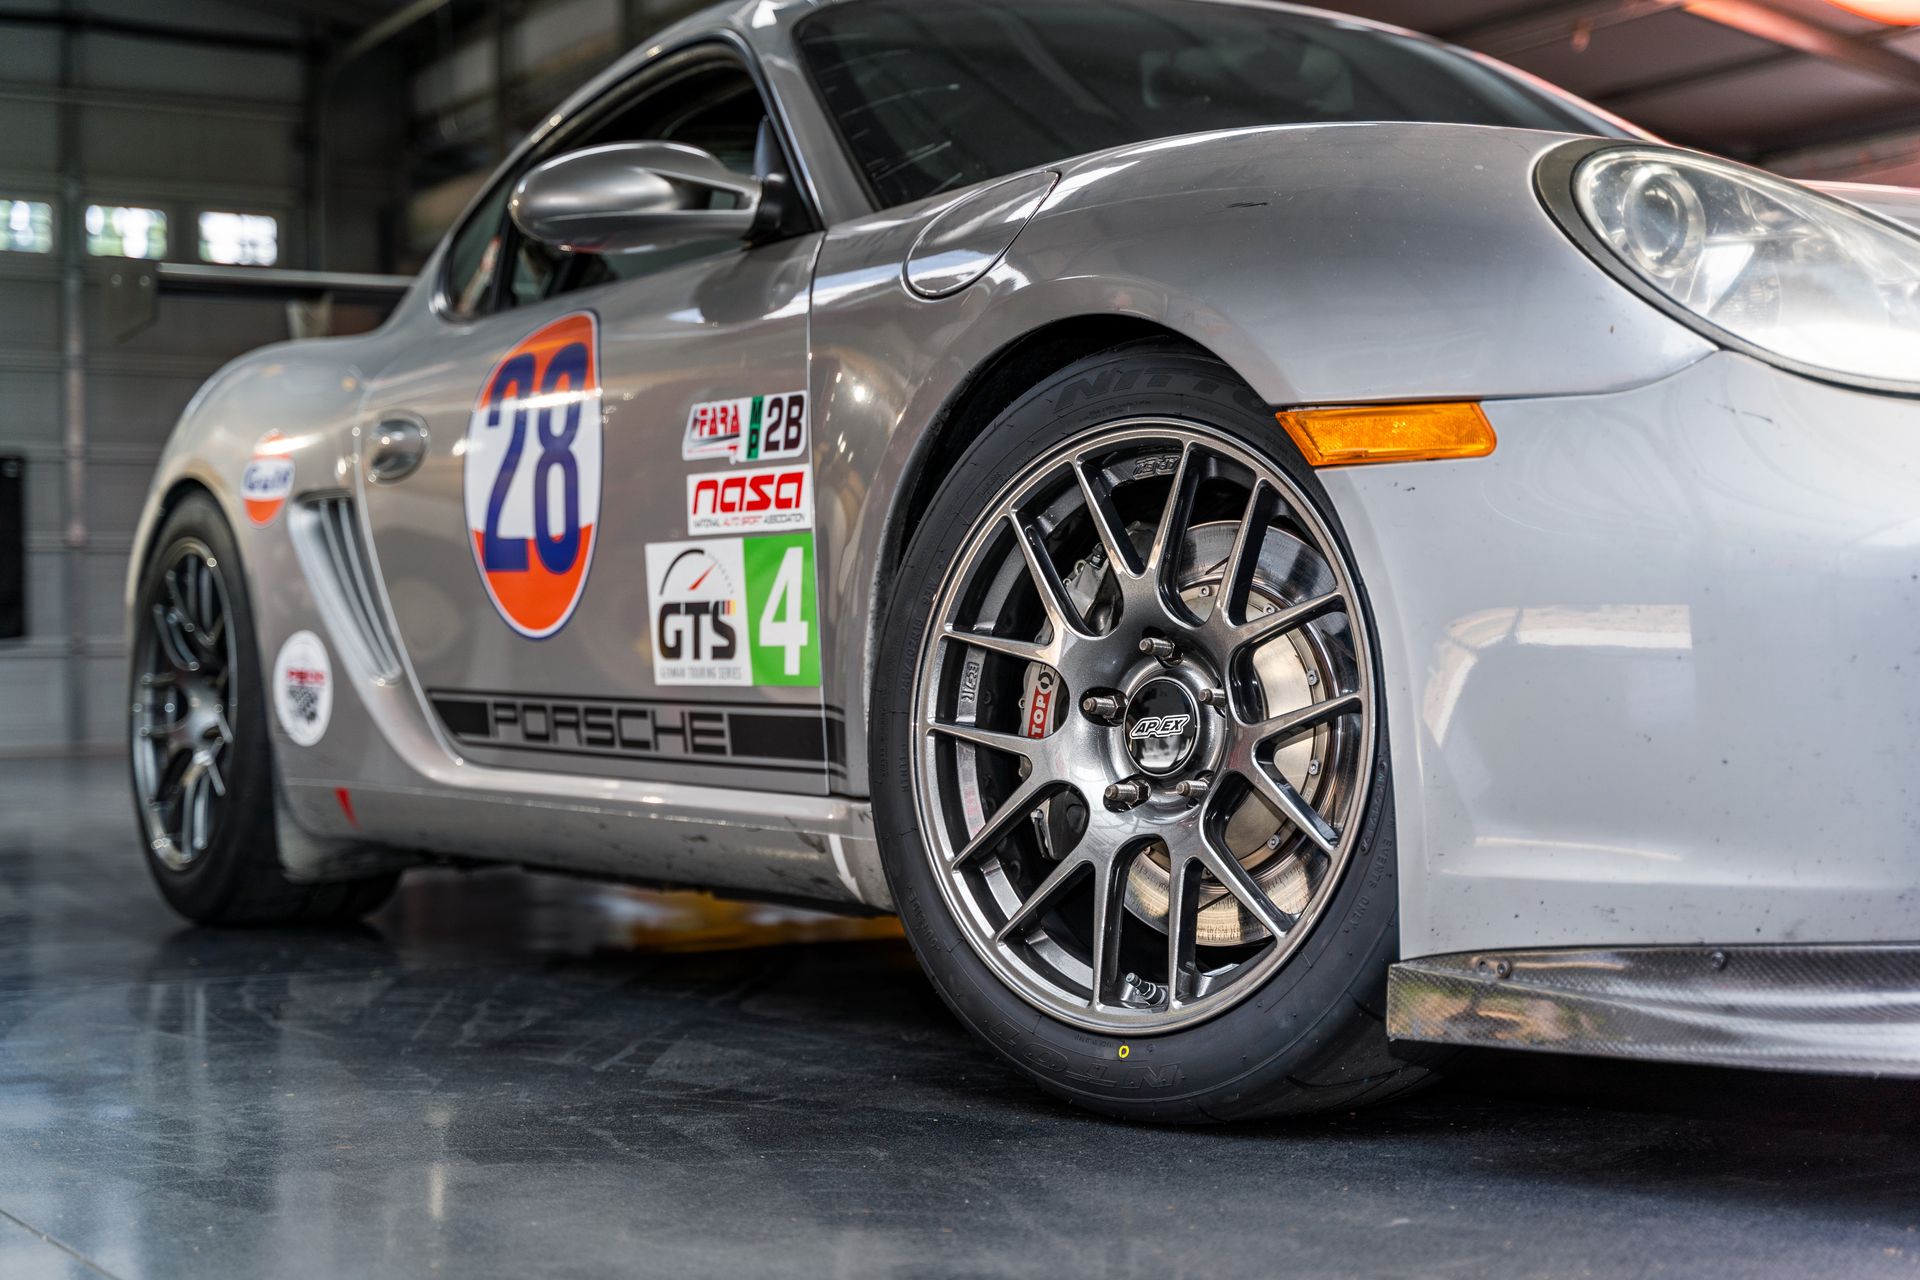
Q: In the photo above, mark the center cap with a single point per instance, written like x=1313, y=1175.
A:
x=1162, y=726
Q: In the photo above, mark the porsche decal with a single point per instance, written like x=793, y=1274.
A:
x=268, y=479
x=531, y=473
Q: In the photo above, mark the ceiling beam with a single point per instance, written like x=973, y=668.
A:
x=1510, y=38
x=1790, y=31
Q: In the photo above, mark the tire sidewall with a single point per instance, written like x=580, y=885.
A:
x=1229, y=1064
x=207, y=887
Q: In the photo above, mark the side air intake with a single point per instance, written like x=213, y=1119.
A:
x=333, y=530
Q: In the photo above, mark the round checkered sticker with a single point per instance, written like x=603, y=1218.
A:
x=303, y=688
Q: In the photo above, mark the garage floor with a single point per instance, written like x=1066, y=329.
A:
x=509, y=1075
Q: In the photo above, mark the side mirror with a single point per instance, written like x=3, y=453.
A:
x=629, y=196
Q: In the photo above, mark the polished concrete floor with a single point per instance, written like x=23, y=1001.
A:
x=508, y=1075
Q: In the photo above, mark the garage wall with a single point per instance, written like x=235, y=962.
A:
x=97, y=108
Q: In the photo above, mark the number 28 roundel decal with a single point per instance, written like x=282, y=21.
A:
x=531, y=471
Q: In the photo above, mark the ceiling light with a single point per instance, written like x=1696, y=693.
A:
x=1896, y=13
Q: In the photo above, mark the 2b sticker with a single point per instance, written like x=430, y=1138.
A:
x=766, y=498
x=267, y=480
x=750, y=429
x=734, y=611
x=531, y=472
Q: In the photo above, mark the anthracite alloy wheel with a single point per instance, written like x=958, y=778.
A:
x=184, y=664
x=1130, y=772
x=203, y=774
x=1143, y=710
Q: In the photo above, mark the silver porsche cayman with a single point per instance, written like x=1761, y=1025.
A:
x=1273, y=543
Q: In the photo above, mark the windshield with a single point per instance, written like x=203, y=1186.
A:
x=930, y=95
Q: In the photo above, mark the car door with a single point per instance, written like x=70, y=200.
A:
x=605, y=561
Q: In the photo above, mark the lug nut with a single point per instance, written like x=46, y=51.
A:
x=1103, y=706
x=1194, y=788
x=1214, y=698
x=1126, y=793
x=1162, y=649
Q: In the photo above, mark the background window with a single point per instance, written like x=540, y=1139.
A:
x=26, y=226
x=126, y=231
x=239, y=239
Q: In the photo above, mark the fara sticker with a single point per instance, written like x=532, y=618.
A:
x=268, y=479
x=734, y=611
x=303, y=688
x=765, y=499
x=751, y=429
x=531, y=471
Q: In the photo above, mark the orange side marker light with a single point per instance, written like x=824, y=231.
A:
x=1389, y=433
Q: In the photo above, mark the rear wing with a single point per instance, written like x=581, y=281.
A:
x=134, y=288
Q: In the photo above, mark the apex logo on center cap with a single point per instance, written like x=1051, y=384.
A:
x=1161, y=735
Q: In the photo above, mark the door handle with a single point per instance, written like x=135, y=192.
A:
x=399, y=446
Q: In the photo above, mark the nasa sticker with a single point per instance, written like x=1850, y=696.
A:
x=268, y=479
x=303, y=688
x=531, y=472
x=764, y=499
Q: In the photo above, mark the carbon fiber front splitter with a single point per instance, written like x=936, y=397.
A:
x=1837, y=1009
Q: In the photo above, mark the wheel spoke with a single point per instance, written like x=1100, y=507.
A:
x=1257, y=631
x=1280, y=729
x=1002, y=822
x=195, y=822
x=1027, y=914
x=215, y=777
x=1171, y=534
x=1183, y=923
x=992, y=739
x=1109, y=914
x=1236, y=584
x=1107, y=523
x=1227, y=870
x=173, y=642
x=1293, y=807
x=1019, y=650
x=1061, y=613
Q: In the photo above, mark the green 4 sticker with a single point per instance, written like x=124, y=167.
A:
x=782, y=616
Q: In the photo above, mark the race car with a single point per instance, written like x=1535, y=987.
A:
x=1274, y=544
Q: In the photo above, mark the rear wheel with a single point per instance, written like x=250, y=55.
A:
x=1131, y=774
x=202, y=760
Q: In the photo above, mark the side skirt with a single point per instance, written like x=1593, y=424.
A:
x=1836, y=1009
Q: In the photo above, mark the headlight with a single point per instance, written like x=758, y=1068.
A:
x=1767, y=265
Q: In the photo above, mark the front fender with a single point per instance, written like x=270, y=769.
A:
x=1325, y=264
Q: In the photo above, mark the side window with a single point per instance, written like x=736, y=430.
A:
x=473, y=259
x=714, y=106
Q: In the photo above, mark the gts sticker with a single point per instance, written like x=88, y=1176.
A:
x=734, y=611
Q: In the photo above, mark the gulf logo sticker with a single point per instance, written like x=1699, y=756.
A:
x=268, y=478
x=531, y=472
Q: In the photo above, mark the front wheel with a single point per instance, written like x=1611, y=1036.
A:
x=1130, y=763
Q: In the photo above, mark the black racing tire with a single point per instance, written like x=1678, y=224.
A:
x=1313, y=1038
x=238, y=879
